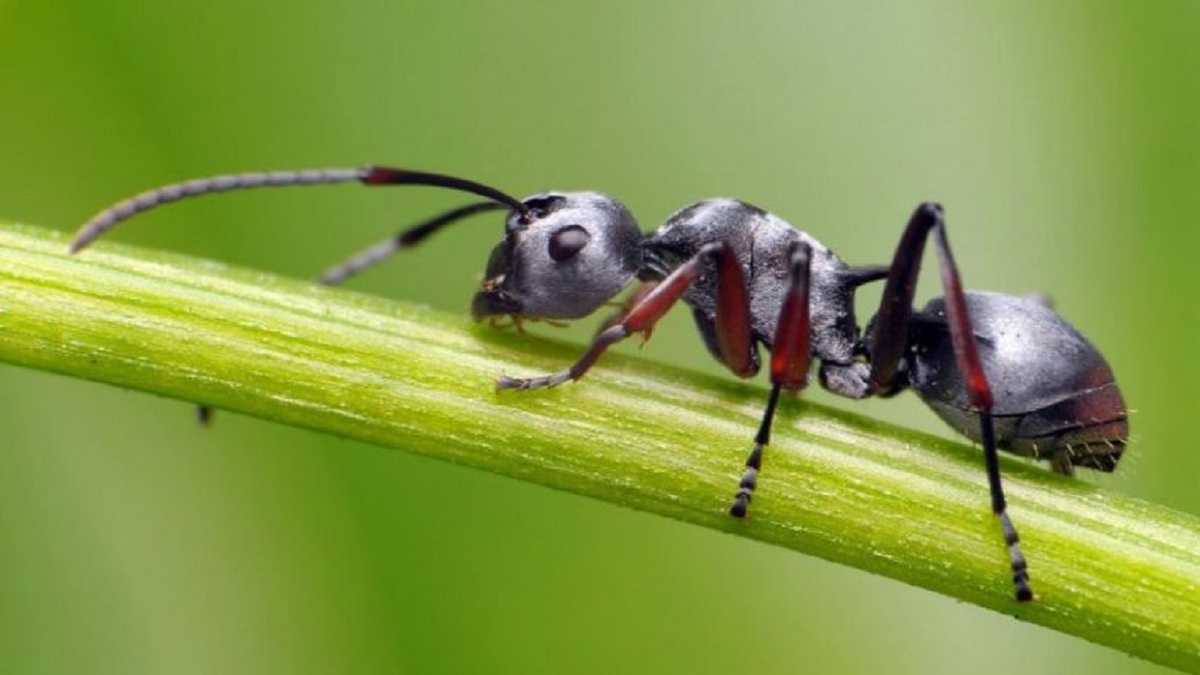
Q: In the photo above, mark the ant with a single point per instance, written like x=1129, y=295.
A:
x=1002, y=370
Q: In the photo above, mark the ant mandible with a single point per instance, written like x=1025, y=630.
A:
x=1005, y=371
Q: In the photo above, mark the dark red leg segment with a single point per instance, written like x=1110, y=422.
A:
x=891, y=339
x=626, y=306
x=790, y=351
x=790, y=359
x=733, y=317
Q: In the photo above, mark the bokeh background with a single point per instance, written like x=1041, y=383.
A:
x=1064, y=139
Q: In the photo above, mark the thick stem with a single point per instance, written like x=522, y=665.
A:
x=1108, y=568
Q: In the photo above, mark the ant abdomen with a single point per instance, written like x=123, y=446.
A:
x=1054, y=395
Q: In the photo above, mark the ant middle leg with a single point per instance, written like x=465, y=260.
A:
x=790, y=359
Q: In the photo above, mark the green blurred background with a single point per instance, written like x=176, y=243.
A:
x=1063, y=138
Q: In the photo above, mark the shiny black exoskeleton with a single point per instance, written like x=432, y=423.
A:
x=1055, y=396
x=1006, y=371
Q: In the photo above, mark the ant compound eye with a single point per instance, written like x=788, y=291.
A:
x=567, y=242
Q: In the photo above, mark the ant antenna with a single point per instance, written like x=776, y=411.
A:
x=370, y=176
x=404, y=239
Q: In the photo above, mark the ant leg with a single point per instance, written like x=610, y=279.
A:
x=1061, y=463
x=626, y=306
x=790, y=357
x=731, y=285
x=891, y=339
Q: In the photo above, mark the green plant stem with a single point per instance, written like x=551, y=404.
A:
x=1108, y=568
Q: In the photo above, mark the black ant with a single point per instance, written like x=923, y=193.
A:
x=1006, y=371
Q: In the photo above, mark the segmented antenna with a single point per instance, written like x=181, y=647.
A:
x=108, y=218
x=371, y=176
x=404, y=239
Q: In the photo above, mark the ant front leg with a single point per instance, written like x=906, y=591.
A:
x=890, y=341
x=732, y=310
x=790, y=359
x=626, y=306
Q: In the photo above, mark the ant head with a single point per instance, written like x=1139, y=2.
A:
x=562, y=257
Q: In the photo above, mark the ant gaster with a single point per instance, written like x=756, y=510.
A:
x=1005, y=371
